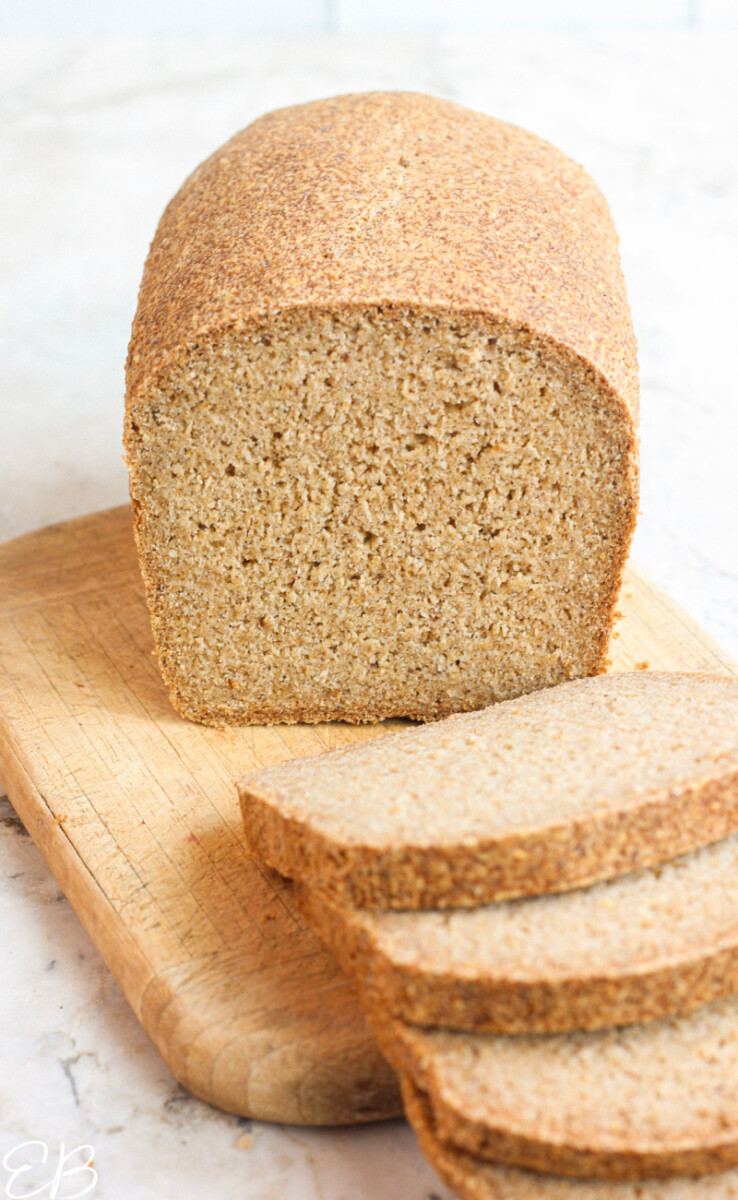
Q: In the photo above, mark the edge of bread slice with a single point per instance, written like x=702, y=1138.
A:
x=635, y=1102
x=661, y=941
x=475, y=1179
x=550, y=791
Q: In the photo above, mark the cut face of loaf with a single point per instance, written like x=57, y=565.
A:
x=659, y=942
x=378, y=513
x=639, y=1101
x=380, y=418
x=546, y=792
x=473, y=1179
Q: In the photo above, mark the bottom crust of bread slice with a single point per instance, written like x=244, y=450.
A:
x=635, y=1102
x=474, y=1179
x=658, y=942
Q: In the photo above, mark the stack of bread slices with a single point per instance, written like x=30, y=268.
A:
x=538, y=903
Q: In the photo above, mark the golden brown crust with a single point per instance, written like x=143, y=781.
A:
x=640, y=991
x=558, y=1152
x=552, y=858
x=296, y=211
x=471, y=1179
x=474, y=1179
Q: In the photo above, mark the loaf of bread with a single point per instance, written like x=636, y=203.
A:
x=632, y=1102
x=542, y=793
x=473, y=1179
x=380, y=419
x=655, y=943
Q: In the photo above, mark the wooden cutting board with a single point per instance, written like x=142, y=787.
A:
x=135, y=811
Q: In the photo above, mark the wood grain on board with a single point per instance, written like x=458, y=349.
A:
x=136, y=813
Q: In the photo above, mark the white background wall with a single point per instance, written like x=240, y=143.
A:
x=292, y=18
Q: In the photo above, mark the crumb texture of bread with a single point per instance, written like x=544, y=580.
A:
x=473, y=1179
x=380, y=419
x=654, y=943
x=552, y=790
x=640, y=1101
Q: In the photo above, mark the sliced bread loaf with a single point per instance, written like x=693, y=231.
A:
x=661, y=941
x=546, y=792
x=637, y=1101
x=474, y=1179
x=380, y=417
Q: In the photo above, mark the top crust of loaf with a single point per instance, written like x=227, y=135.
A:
x=297, y=211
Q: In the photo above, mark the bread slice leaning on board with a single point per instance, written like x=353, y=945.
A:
x=662, y=940
x=473, y=1179
x=546, y=792
x=641, y=1100
x=381, y=418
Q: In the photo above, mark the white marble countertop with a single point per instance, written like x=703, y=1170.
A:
x=93, y=142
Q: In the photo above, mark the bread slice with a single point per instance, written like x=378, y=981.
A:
x=473, y=1179
x=633, y=1102
x=658, y=942
x=380, y=418
x=542, y=793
